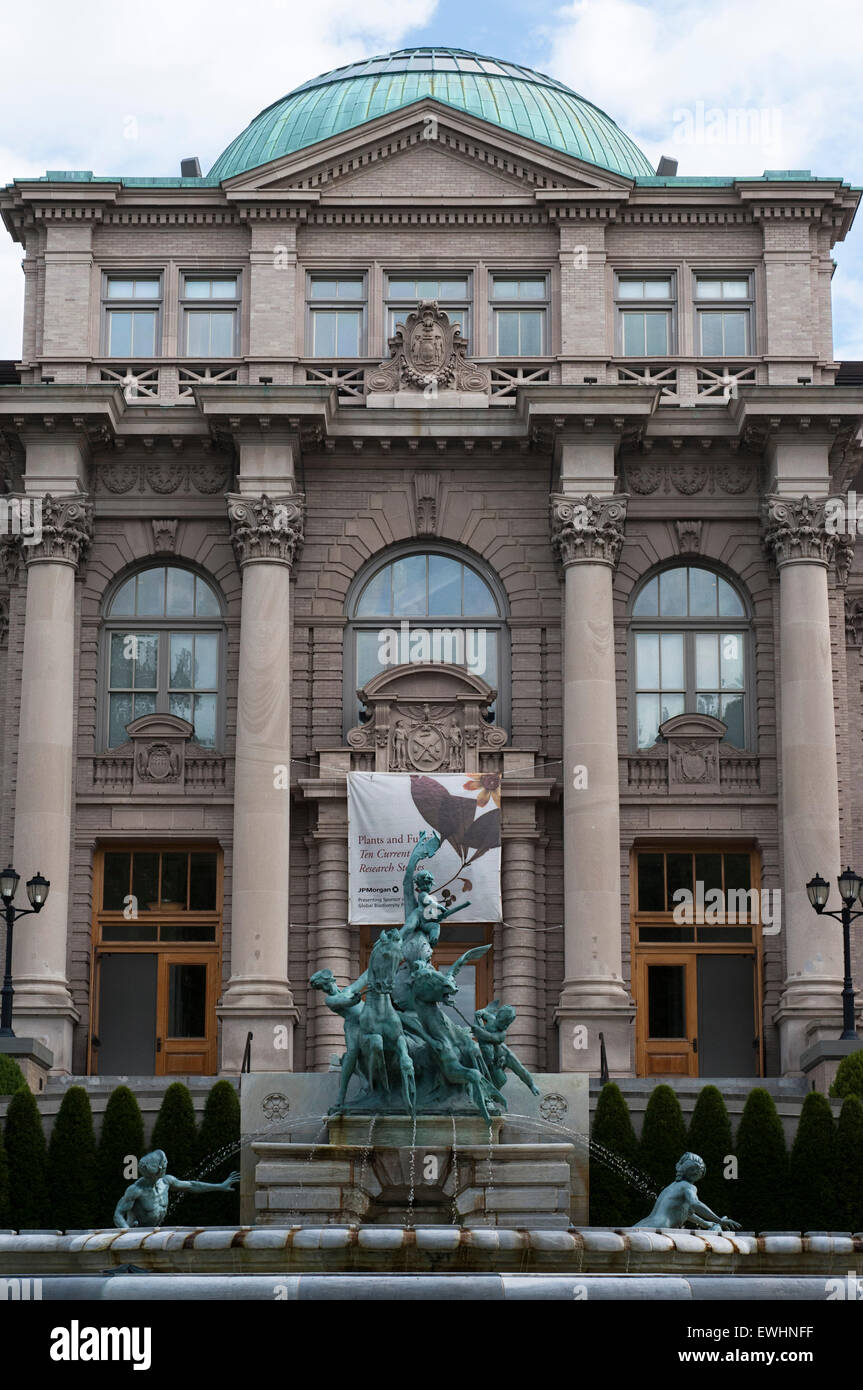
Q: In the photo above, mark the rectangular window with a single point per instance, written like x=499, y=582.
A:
x=131, y=311
x=646, y=310
x=176, y=672
x=210, y=308
x=698, y=671
x=519, y=315
x=452, y=292
x=723, y=307
x=720, y=888
x=336, y=316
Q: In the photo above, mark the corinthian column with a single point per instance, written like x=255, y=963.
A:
x=587, y=536
x=266, y=533
x=796, y=537
x=43, y=1006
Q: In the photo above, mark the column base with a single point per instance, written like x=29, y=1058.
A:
x=44, y=1010
x=265, y=1009
x=586, y=1009
x=808, y=1013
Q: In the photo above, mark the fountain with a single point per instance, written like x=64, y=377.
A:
x=434, y=1089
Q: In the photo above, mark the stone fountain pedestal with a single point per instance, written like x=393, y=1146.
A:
x=304, y=1168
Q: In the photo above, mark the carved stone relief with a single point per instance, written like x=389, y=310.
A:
x=427, y=351
x=427, y=718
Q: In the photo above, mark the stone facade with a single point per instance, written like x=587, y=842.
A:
x=568, y=479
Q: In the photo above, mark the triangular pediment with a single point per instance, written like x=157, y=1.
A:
x=424, y=149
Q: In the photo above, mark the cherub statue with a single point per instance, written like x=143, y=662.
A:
x=678, y=1202
x=145, y=1202
x=423, y=912
x=490, y=1028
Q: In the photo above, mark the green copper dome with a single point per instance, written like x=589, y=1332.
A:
x=509, y=96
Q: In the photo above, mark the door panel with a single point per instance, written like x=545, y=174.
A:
x=667, y=1013
x=186, y=1032
x=127, y=1015
x=726, y=1015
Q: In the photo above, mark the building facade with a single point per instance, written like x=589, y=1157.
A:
x=605, y=495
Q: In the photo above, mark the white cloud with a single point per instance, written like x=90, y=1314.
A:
x=131, y=89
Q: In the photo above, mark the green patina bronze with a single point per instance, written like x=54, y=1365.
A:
x=678, y=1204
x=145, y=1202
x=411, y=1054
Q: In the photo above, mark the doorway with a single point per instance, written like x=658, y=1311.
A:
x=696, y=980
x=156, y=961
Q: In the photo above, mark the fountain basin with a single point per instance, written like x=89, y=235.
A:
x=381, y=1250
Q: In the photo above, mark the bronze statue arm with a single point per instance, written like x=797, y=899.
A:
x=425, y=847
x=701, y=1212
x=194, y=1185
x=448, y=911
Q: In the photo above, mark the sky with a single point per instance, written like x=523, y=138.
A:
x=734, y=88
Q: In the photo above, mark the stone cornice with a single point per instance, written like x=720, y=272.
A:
x=266, y=529
x=587, y=529
x=795, y=530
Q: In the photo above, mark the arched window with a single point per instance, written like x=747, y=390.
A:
x=423, y=606
x=690, y=652
x=163, y=652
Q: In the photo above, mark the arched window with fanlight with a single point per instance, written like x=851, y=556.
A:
x=162, y=653
x=690, y=653
x=414, y=606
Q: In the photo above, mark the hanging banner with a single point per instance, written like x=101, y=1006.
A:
x=387, y=811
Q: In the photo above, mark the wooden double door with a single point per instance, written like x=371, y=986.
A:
x=697, y=1013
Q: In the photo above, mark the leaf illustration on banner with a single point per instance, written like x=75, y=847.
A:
x=451, y=816
x=466, y=885
x=484, y=834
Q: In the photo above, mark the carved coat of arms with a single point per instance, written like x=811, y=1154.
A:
x=427, y=350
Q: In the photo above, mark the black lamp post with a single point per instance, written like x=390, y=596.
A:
x=850, y=887
x=37, y=892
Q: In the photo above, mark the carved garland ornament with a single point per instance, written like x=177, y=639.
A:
x=428, y=351
x=266, y=528
x=588, y=528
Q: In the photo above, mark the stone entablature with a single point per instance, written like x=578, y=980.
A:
x=427, y=718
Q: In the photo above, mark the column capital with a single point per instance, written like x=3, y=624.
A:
x=266, y=528
x=795, y=530
x=588, y=528
x=60, y=529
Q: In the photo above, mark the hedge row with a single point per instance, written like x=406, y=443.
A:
x=818, y=1186
x=73, y=1183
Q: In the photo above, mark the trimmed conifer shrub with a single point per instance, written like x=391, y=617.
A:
x=72, y=1181
x=709, y=1136
x=27, y=1158
x=220, y=1130
x=813, y=1167
x=762, y=1166
x=11, y=1076
x=613, y=1201
x=5, y=1206
x=175, y=1132
x=663, y=1137
x=849, y=1165
x=122, y=1138
x=849, y=1077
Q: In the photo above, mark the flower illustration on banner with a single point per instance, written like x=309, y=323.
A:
x=455, y=818
x=488, y=786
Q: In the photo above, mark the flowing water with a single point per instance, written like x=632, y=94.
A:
x=413, y=1174
x=454, y=1173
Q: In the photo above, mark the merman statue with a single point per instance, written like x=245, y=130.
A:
x=678, y=1203
x=145, y=1202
